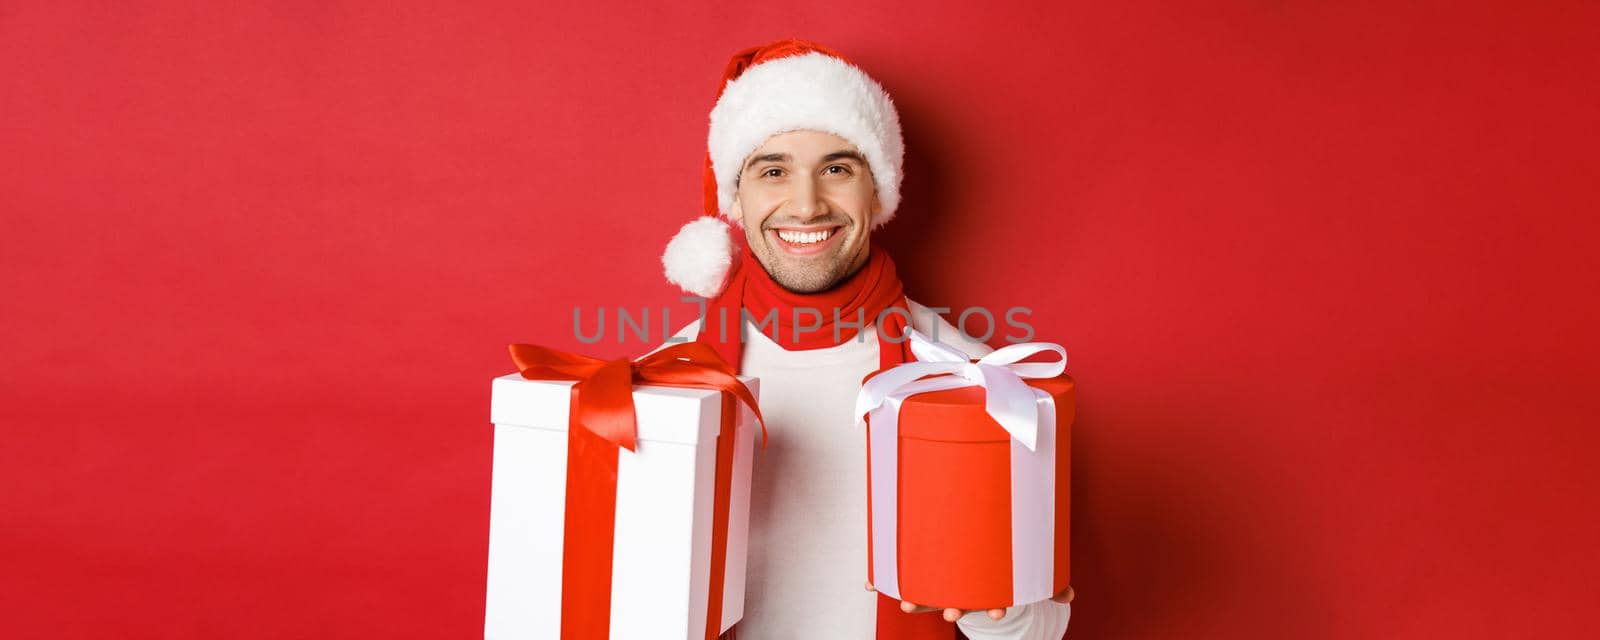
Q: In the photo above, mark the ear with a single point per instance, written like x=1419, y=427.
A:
x=737, y=212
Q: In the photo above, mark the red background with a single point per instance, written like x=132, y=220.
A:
x=1327, y=276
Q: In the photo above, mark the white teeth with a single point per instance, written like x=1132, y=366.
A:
x=804, y=237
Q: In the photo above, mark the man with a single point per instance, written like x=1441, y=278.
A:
x=805, y=156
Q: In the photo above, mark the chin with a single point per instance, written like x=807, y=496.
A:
x=810, y=278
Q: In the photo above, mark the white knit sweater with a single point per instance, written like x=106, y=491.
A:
x=808, y=503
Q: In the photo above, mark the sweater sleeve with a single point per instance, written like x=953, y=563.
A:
x=926, y=320
x=1043, y=620
x=687, y=333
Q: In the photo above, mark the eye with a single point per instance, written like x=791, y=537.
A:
x=843, y=169
x=768, y=173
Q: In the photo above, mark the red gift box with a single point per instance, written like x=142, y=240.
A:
x=967, y=509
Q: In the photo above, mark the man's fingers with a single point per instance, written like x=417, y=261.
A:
x=869, y=586
x=1065, y=596
x=952, y=614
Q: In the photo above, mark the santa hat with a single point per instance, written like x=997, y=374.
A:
x=787, y=85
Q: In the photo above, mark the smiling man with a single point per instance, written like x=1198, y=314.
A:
x=810, y=195
x=804, y=155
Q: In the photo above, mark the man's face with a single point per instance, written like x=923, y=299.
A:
x=806, y=199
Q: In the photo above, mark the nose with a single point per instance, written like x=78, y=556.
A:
x=806, y=201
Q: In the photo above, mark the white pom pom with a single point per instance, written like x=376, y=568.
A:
x=699, y=257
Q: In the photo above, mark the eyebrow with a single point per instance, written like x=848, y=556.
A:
x=784, y=157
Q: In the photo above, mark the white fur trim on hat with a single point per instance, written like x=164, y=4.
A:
x=699, y=257
x=808, y=91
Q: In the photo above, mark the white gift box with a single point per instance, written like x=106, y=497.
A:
x=661, y=556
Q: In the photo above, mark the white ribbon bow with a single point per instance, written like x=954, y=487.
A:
x=1009, y=400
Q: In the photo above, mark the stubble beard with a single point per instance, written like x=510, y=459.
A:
x=819, y=273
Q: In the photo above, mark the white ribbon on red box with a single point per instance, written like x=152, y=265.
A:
x=1027, y=413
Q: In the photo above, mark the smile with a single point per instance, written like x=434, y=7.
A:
x=804, y=241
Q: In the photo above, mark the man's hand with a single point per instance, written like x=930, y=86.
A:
x=952, y=614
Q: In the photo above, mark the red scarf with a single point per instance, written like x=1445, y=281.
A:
x=859, y=300
x=856, y=303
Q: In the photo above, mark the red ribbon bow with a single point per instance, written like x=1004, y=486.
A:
x=604, y=393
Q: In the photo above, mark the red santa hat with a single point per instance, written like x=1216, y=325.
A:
x=783, y=86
